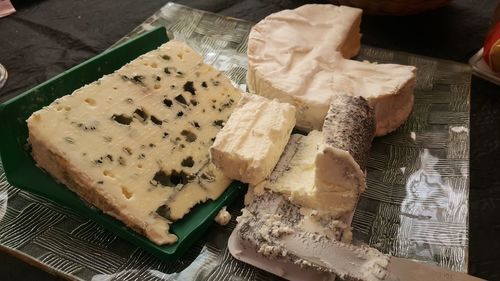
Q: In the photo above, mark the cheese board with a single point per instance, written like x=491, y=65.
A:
x=414, y=173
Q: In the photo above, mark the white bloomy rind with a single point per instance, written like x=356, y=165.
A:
x=302, y=56
x=252, y=140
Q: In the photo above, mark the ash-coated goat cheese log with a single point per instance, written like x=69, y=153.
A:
x=348, y=132
x=135, y=143
x=276, y=227
x=326, y=169
x=301, y=214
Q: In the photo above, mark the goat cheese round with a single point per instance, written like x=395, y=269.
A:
x=302, y=56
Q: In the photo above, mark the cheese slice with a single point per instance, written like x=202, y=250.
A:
x=301, y=57
x=135, y=142
x=251, y=142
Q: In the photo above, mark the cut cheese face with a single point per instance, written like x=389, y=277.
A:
x=297, y=179
x=301, y=57
x=135, y=142
x=250, y=144
x=338, y=181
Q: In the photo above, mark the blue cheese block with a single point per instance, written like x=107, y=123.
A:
x=135, y=142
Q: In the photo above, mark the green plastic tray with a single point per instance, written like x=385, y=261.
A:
x=21, y=171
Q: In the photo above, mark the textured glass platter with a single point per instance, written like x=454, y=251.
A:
x=416, y=204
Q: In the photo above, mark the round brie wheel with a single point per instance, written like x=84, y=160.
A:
x=302, y=57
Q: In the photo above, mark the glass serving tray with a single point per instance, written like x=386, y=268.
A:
x=416, y=204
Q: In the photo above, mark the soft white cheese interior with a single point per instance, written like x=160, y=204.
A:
x=297, y=179
x=252, y=140
x=300, y=56
x=338, y=181
x=135, y=142
x=306, y=179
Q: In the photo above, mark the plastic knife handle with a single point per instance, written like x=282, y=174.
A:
x=407, y=270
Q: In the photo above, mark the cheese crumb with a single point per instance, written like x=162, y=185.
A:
x=223, y=217
x=413, y=135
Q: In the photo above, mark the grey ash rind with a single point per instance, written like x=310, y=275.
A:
x=271, y=216
x=269, y=203
x=267, y=219
x=290, y=149
x=350, y=125
x=270, y=225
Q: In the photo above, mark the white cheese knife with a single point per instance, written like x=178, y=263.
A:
x=363, y=263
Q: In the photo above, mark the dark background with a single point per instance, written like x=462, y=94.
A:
x=46, y=37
